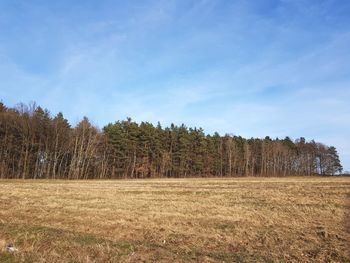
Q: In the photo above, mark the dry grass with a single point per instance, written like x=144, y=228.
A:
x=176, y=220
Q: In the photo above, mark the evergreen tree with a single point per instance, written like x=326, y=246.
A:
x=35, y=145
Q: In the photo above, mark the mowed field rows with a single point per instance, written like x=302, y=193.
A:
x=299, y=219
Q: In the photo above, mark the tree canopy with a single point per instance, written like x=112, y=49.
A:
x=33, y=144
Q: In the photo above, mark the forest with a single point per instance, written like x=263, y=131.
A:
x=36, y=145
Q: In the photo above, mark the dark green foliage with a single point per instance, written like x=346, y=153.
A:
x=35, y=145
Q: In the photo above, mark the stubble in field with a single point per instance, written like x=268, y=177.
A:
x=178, y=220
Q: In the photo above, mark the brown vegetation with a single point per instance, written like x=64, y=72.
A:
x=34, y=145
x=298, y=219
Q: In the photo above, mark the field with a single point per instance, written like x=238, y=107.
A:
x=176, y=220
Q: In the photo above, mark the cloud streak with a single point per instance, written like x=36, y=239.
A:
x=278, y=68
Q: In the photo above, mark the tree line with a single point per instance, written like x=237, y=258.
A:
x=34, y=144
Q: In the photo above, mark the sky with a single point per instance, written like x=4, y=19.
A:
x=250, y=68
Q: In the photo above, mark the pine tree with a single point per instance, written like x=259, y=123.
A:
x=35, y=145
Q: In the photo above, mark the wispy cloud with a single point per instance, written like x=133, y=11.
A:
x=278, y=68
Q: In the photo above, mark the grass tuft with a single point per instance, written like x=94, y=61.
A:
x=176, y=220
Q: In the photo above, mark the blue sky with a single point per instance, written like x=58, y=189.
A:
x=251, y=68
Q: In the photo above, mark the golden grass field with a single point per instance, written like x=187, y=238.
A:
x=176, y=220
